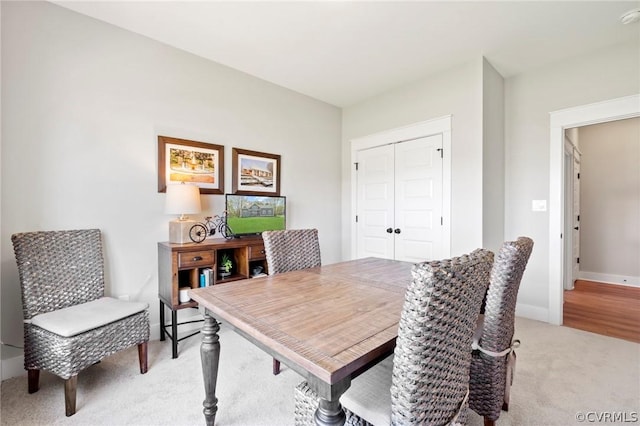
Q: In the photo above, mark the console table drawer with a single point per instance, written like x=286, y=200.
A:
x=183, y=265
x=256, y=252
x=193, y=259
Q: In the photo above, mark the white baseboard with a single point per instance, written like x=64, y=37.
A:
x=532, y=312
x=14, y=367
x=610, y=278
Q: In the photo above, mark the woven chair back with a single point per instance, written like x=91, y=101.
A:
x=432, y=355
x=500, y=308
x=291, y=249
x=58, y=269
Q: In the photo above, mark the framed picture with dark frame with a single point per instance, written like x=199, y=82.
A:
x=198, y=163
x=255, y=173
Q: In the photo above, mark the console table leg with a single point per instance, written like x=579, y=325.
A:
x=210, y=356
x=162, y=321
x=174, y=334
x=330, y=413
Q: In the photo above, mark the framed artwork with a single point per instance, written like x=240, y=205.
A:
x=199, y=163
x=255, y=173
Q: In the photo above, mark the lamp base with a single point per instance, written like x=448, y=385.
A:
x=179, y=231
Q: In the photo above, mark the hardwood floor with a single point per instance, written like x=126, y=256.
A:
x=612, y=310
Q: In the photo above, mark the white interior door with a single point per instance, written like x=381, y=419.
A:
x=400, y=200
x=418, y=199
x=375, y=201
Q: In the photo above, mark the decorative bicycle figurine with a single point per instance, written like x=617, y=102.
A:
x=209, y=227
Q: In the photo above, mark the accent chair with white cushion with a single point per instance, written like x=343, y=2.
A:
x=290, y=250
x=426, y=381
x=493, y=357
x=68, y=323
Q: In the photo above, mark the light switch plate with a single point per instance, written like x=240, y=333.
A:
x=539, y=205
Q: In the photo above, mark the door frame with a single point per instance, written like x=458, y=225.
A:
x=584, y=115
x=570, y=152
x=441, y=125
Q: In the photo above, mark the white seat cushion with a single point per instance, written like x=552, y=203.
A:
x=369, y=396
x=77, y=319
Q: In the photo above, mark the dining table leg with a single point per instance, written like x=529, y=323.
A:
x=330, y=413
x=210, y=357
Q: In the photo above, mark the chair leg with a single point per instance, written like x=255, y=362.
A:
x=511, y=365
x=507, y=391
x=276, y=367
x=142, y=357
x=489, y=422
x=33, y=380
x=70, y=386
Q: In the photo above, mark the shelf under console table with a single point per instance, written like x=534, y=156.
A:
x=182, y=265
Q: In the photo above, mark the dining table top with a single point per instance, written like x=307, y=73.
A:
x=326, y=322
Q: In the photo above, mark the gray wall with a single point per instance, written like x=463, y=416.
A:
x=610, y=199
x=82, y=105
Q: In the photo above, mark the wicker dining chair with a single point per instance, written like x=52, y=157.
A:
x=290, y=250
x=426, y=380
x=68, y=323
x=493, y=357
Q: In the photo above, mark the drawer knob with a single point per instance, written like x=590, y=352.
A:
x=197, y=258
x=262, y=251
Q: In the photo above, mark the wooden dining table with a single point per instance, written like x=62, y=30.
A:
x=327, y=323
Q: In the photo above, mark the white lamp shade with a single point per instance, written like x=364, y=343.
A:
x=182, y=199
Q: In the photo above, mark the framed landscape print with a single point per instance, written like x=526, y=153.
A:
x=255, y=173
x=198, y=163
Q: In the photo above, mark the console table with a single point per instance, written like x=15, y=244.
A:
x=180, y=265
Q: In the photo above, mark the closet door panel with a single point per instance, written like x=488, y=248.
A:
x=418, y=199
x=375, y=200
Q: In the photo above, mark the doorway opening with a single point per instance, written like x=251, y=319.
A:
x=600, y=112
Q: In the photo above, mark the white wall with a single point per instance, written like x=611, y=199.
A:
x=492, y=157
x=610, y=200
x=529, y=98
x=458, y=92
x=82, y=105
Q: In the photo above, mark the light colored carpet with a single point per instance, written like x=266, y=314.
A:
x=560, y=372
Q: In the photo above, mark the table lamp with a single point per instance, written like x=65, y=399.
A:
x=181, y=199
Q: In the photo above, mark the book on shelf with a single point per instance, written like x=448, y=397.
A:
x=206, y=277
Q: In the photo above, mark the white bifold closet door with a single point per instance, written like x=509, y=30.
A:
x=399, y=200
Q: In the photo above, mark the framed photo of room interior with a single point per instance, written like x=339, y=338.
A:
x=197, y=163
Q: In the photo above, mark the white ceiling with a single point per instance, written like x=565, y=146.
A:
x=344, y=52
